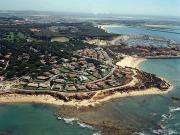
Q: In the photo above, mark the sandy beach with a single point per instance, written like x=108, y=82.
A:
x=115, y=41
x=104, y=27
x=46, y=99
x=128, y=61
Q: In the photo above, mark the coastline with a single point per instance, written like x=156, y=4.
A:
x=46, y=99
x=128, y=61
x=132, y=62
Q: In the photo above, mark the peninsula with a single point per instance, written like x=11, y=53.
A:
x=74, y=64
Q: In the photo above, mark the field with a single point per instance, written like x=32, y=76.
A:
x=60, y=39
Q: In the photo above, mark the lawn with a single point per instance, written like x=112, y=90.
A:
x=60, y=39
x=13, y=36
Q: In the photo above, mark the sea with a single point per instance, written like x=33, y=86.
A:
x=38, y=119
x=149, y=115
x=173, y=33
x=157, y=114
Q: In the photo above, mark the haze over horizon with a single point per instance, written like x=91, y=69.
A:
x=138, y=7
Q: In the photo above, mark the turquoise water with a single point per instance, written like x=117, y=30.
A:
x=31, y=119
x=156, y=114
x=167, y=110
x=153, y=114
x=135, y=42
x=142, y=31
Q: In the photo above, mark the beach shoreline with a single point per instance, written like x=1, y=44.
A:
x=105, y=26
x=132, y=62
x=128, y=61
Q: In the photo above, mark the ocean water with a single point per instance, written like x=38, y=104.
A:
x=34, y=119
x=166, y=111
x=155, y=114
x=142, y=31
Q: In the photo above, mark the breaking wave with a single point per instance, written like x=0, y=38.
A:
x=70, y=120
x=165, y=127
x=140, y=133
x=75, y=121
x=84, y=125
x=174, y=109
x=165, y=131
x=98, y=133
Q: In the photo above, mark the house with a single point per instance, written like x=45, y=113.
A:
x=81, y=87
x=74, y=59
x=43, y=85
x=85, y=74
x=47, y=74
x=74, y=63
x=1, y=78
x=90, y=65
x=2, y=61
x=91, y=86
x=33, y=85
x=100, y=84
x=81, y=59
x=91, y=69
x=59, y=81
x=7, y=56
x=26, y=79
x=54, y=71
x=101, y=56
x=43, y=61
x=73, y=75
x=35, y=30
x=103, y=70
x=71, y=88
x=58, y=87
x=64, y=60
x=42, y=78
x=83, y=78
x=72, y=67
x=22, y=83
x=82, y=63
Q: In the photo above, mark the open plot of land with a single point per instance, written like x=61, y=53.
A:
x=60, y=39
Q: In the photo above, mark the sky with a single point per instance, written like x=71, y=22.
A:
x=137, y=7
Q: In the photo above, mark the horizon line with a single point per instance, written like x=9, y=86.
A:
x=89, y=13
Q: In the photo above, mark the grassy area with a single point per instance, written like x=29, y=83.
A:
x=39, y=81
x=64, y=70
x=14, y=36
x=60, y=39
x=92, y=78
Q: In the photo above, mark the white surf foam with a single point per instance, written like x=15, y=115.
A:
x=174, y=109
x=73, y=121
x=59, y=118
x=98, y=133
x=70, y=120
x=167, y=117
x=165, y=131
x=140, y=133
x=84, y=125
